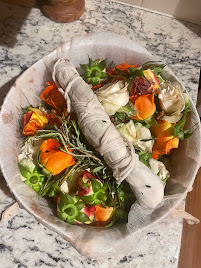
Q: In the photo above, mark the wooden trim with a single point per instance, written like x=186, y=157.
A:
x=190, y=252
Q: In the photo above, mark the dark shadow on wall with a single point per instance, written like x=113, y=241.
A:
x=189, y=14
x=12, y=18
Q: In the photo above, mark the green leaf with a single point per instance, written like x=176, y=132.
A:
x=87, y=74
x=180, y=135
x=119, y=216
x=53, y=190
x=177, y=129
x=188, y=135
x=61, y=205
x=91, y=63
x=153, y=64
x=89, y=199
x=81, y=217
x=67, y=199
x=96, y=185
x=128, y=110
x=121, y=116
x=85, y=185
x=24, y=172
x=182, y=122
x=120, y=72
x=144, y=157
x=132, y=70
x=103, y=75
x=150, y=122
x=80, y=205
x=102, y=64
x=160, y=79
x=94, y=81
x=157, y=70
x=101, y=196
x=97, y=169
x=165, y=180
x=109, y=201
x=109, y=225
x=144, y=140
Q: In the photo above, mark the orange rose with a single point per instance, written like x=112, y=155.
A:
x=165, y=141
x=53, y=159
x=144, y=104
x=32, y=121
x=54, y=98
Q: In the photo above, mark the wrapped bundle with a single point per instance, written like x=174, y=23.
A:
x=102, y=135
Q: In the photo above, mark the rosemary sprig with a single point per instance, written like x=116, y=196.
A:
x=73, y=142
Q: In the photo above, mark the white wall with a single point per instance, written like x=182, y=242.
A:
x=189, y=10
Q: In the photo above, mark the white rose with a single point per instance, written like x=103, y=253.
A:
x=172, y=101
x=159, y=169
x=113, y=96
x=143, y=133
x=136, y=133
x=128, y=130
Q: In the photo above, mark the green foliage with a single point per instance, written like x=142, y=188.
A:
x=70, y=209
x=128, y=110
x=144, y=157
x=150, y=121
x=156, y=67
x=34, y=179
x=94, y=71
x=178, y=129
x=100, y=194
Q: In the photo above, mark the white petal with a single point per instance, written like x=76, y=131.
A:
x=159, y=168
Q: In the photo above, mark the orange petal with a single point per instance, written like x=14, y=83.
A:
x=53, y=97
x=39, y=115
x=162, y=131
x=103, y=215
x=174, y=143
x=44, y=156
x=145, y=106
x=58, y=162
x=165, y=141
x=49, y=145
x=53, y=120
x=158, y=149
x=53, y=159
x=123, y=67
x=32, y=127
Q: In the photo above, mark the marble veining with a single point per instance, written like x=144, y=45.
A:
x=25, y=37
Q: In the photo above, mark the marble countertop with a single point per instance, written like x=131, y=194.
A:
x=25, y=37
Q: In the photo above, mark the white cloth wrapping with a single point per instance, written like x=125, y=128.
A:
x=102, y=134
x=183, y=164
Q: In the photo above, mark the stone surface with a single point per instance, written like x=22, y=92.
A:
x=25, y=37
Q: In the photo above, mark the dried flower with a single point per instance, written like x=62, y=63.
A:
x=53, y=159
x=32, y=121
